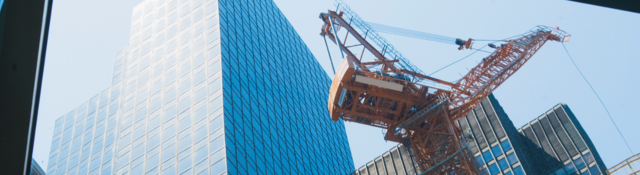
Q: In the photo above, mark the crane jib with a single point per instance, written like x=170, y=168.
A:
x=391, y=93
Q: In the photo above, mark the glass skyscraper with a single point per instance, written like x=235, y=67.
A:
x=275, y=94
x=206, y=87
x=559, y=144
x=398, y=160
x=552, y=144
x=35, y=168
x=494, y=140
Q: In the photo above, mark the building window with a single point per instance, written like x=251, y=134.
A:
x=561, y=172
x=503, y=164
x=579, y=163
x=487, y=156
x=496, y=150
x=506, y=146
x=588, y=158
x=484, y=171
x=571, y=169
x=518, y=171
x=595, y=170
x=493, y=168
x=512, y=158
x=480, y=161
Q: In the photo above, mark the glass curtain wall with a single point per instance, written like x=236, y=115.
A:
x=162, y=112
x=398, y=160
x=563, y=146
x=178, y=106
x=553, y=144
x=490, y=136
x=275, y=97
x=83, y=137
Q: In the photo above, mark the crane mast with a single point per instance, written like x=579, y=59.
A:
x=415, y=109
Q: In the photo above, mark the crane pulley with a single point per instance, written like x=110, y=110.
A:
x=464, y=44
x=391, y=93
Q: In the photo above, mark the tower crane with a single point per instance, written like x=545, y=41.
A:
x=416, y=109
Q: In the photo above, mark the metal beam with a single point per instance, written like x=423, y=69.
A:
x=360, y=39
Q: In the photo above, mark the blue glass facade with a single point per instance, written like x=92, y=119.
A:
x=493, y=140
x=206, y=87
x=560, y=146
x=275, y=96
x=398, y=160
x=552, y=144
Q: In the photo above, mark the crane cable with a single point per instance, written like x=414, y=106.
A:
x=330, y=60
x=418, y=34
x=412, y=33
x=431, y=37
x=594, y=92
x=472, y=54
x=456, y=61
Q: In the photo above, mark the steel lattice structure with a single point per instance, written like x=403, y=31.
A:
x=630, y=165
x=497, y=67
x=390, y=93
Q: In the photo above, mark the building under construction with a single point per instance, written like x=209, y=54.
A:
x=553, y=143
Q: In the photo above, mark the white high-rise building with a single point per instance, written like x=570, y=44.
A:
x=206, y=87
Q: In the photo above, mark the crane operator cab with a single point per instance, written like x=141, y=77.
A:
x=463, y=44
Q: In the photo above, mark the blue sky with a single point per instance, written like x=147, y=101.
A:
x=602, y=44
x=85, y=35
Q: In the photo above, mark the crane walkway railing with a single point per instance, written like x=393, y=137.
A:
x=369, y=32
x=420, y=114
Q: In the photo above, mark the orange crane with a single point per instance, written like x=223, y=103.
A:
x=415, y=109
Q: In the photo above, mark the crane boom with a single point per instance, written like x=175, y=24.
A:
x=497, y=67
x=390, y=93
